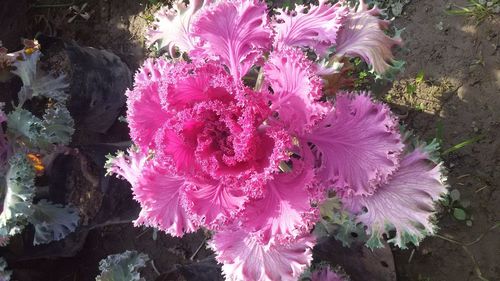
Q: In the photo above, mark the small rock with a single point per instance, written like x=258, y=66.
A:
x=425, y=251
x=439, y=26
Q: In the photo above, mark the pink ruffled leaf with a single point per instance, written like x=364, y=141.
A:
x=234, y=31
x=358, y=145
x=296, y=89
x=159, y=192
x=285, y=211
x=245, y=257
x=197, y=83
x=216, y=203
x=317, y=28
x=161, y=196
x=405, y=204
x=171, y=144
x=362, y=34
x=144, y=111
x=128, y=166
x=153, y=71
x=172, y=27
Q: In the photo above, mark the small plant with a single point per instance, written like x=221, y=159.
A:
x=479, y=10
x=122, y=267
x=27, y=144
x=452, y=203
x=456, y=147
x=457, y=207
x=462, y=144
x=361, y=74
x=411, y=88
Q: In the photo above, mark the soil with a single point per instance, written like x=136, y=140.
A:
x=461, y=62
x=458, y=100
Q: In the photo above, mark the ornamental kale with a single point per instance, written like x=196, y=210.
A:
x=122, y=267
x=26, y=144
x=233, y=133
x=4, y=274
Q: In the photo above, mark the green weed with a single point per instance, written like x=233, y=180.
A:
x=411, y=88
x=458, y=208
x=479, y=10
x=463, y=144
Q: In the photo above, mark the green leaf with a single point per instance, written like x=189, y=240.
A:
x=445, y=202
x=23, y=124
x=52, y=222
x=420, y=77
x=411, y=89
x=464, y=143
x=339, y=223
x=350, y=231
x=122, y=267
x=57, y=125
x=397, y=9
x=19, y=190
x=459, y=214
x=36, y=83
x=329, y=208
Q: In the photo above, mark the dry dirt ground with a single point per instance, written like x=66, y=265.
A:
x=461, y=62
x=459, y=98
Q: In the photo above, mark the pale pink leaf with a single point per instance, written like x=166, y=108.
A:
x=296, y=89
x=406, y=204
x=358, y=145
x=315, y=28
x=245, y=257
x=128, y=166
x=172, y=27
x=144, y=110
x=161, y=195
x=236, y=32
x=362, y=34
x=215, y=203
x=172, y=144
x=285, y=210
x=194, y=83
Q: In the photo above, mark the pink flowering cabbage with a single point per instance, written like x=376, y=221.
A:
x=252, y=157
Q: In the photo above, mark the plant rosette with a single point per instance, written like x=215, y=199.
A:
x=232, y=133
